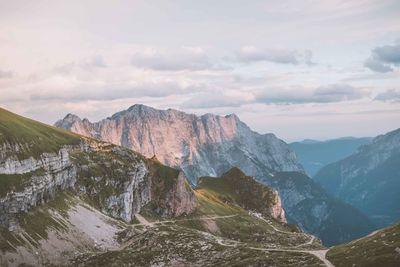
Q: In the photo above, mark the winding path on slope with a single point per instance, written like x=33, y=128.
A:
x=320, y=254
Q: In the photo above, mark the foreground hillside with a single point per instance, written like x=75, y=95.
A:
x=369, y=179
x=219, y=233
x=68, y=231
x=209, y=145
x=314, y=155
x=380, y=248
x=67, y=200
x=37, y=161
x=70, y=200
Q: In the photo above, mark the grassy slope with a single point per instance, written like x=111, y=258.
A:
x=185, y=242
x=380, y=249
x=240, y=189
x=33, y=139
x=224, y=197
x=35, y=224
x=172, y=245
x=174, y=242
x=38, y=137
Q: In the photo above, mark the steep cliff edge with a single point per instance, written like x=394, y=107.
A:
x=38, y=161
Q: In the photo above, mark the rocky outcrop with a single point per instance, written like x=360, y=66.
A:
x=199, y=145
x=176, y=201
x=119, y=181
x=277, y=210
x=34, y=182
x=53, y=162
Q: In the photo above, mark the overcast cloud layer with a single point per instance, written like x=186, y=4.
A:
x=316, y=69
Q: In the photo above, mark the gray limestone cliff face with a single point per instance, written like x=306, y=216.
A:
x=40, y=179
x=199, y=145
x=177, y=201
x=117, y=179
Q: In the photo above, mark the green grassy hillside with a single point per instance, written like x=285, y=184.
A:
x=218, y=233
x=382, y=248
x=33, y=138
x=237, y=188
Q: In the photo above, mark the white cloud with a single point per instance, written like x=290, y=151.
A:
x=391, y=95
x=185, y=58
x=97, y=57
x=333, y=93
x=283, y=56
x=384, y=58
x=5, y=74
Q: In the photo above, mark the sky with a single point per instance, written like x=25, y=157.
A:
x=300, y=69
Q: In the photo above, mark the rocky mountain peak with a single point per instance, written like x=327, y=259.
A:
x=199, y=145
x=68, y=120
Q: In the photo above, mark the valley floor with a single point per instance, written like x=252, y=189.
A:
x=320, y=254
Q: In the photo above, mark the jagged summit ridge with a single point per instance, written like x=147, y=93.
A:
x=199, y=145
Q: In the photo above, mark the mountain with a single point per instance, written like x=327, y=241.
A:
x=199, y=145
x=313, y=209
x=209, y=145
x=37, y=161
x=369, y=179
x=313, y=155
x=380, y=248
x=68, y=200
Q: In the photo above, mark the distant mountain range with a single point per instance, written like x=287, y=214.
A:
x=314, y=155
x=209, y=145
x=369, y=179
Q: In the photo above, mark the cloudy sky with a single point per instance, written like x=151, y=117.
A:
x=300, y=69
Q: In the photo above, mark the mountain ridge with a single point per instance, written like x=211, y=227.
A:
x=92, y=203
x=209, y=145
x=314, y=154
x=192, y=147
x=369, y=179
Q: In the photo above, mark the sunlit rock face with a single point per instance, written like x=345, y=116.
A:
x=199, y=145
